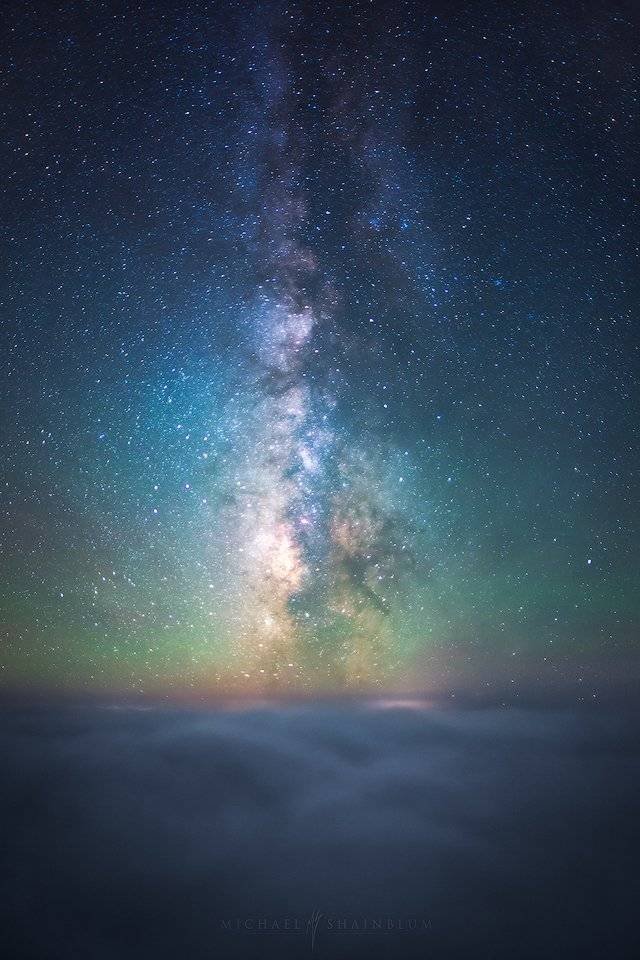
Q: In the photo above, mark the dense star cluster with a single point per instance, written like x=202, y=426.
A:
x=320, y=367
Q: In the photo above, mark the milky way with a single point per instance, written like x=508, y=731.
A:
x=304, y=541
x=319, y=333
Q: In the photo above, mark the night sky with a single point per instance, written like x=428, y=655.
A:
x=319, y=349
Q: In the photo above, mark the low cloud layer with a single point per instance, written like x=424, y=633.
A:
x=135, y=834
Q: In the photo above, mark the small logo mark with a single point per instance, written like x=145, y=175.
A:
x=312, y=927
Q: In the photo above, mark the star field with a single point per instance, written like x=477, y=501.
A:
x=320, y=348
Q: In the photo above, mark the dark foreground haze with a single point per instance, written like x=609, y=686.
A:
x=321, y=831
